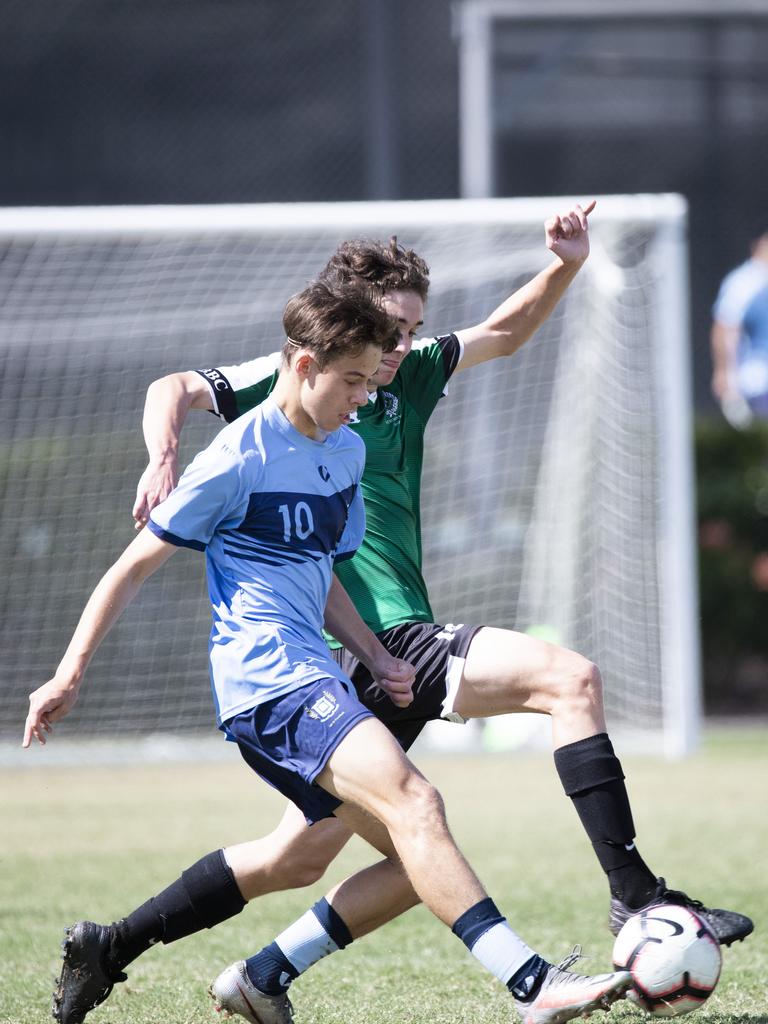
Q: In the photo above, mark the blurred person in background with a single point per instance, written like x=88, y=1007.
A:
x=739, y=337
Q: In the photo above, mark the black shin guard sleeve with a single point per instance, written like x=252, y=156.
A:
x=592, y=777
x=212, y=895
x=587, y=763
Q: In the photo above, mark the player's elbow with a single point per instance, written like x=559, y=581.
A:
x=507, y=342
x=162, y=385
x=185, y=389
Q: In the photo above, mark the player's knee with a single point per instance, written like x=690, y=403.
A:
x=276, y=866
x=287, y=869
x=304, y=862
x=303, y=868
x=580, y=685
x=423, y=805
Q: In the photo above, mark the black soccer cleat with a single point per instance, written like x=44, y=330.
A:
x=87, y=977
x=726, y=925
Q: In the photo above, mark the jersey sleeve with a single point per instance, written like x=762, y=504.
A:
x=354, y=530
x=426, y=370
x=737, y=292
x=236, y=389
x=210, y=494
x=729, y=304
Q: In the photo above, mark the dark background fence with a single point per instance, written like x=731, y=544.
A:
x=183, y=101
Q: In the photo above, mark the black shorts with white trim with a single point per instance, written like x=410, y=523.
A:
x=437, y=653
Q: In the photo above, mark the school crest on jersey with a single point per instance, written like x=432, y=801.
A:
x=391, y=405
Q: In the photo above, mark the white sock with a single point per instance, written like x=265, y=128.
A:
x=501, y=951
x=305, y=942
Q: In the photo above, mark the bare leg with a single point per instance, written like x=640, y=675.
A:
x=372, y=897
x=291, y=856
x=390, y=804
x=296, y=854
x=370, y=771
x=508, y=672
x=505, y=672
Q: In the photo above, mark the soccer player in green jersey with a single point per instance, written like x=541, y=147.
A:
x=462, y=672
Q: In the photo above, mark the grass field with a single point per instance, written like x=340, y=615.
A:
x=95, y=842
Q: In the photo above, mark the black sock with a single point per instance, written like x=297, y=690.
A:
x=202, y=897
x=525, y=983
x=592, y=777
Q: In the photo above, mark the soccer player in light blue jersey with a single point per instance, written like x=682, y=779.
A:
x=273, y=502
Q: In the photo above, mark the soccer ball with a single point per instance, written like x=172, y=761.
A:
x=673, y=957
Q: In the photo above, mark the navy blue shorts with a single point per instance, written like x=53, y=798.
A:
x=437, y=653
x=288, y=740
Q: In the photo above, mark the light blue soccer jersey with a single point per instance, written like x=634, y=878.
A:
x=272, y=509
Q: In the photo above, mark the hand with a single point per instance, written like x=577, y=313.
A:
x=568, y=234
x=395, y=678
x=48, y=704
x=156, y=483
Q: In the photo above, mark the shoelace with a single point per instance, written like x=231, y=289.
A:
x=676, y=896
x=571, y=959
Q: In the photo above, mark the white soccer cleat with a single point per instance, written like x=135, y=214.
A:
x=234, y=993
x=563, y=996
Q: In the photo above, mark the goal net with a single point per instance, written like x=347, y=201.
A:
x=557, y=483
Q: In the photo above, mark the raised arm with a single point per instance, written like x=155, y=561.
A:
x=394, y=676
x=512, y=323
x=168, y=401
x=114, y=592
x=725, y=342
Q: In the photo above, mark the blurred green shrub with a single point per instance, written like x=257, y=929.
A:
x=732, y=485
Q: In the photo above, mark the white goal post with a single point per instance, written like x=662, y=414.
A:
x=482, y=26
x=558, y=485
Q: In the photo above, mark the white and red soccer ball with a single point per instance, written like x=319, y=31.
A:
x=673, y=957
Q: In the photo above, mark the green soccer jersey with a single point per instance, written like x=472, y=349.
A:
x=384, y=578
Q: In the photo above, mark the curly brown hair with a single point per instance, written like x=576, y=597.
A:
x=337, y=318
x=387, y=268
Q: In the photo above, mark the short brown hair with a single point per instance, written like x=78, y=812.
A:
x=387, y=268
x=335, y=319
